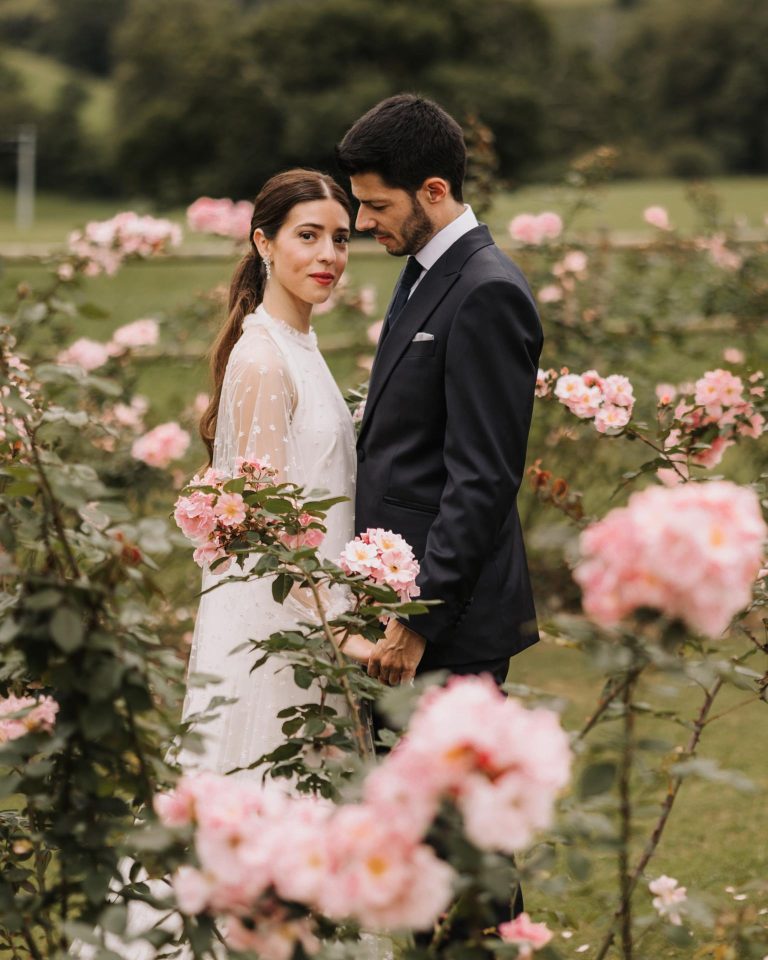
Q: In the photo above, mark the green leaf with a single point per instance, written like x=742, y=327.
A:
x=303, y=677
x=597, y=778
x=67, y=629
x=321, y=506
x=266, y=564
x=281, y=587
x=273, y=505
x=290, y=727
x=236, y=485
x=314, y=727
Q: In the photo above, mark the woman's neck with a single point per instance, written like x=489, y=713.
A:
x=282, y=304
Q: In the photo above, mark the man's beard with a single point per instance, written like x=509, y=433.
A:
x=416, y=230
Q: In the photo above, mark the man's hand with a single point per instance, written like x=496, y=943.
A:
x=395, y=657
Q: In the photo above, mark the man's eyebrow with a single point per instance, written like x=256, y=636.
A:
x=373, y=200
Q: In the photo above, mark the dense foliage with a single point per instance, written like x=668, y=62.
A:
x=214, y=97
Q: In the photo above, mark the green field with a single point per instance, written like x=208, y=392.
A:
x=43, y=77
x=618, y=208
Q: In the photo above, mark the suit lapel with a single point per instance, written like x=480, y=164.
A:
x=435, y=284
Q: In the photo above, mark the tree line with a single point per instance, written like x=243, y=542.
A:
x=213, y=97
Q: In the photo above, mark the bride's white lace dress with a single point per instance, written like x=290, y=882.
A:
x=279, y=400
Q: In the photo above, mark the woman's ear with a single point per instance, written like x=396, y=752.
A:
x=262, y=244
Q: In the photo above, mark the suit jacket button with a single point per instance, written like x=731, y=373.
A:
x=360, y=455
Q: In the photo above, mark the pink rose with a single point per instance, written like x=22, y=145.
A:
x=657, y=217
x=526, y=935
x=159, y=447
x=551, y=293
x=191, y=889
x=230, y=509
x=140, y=333
x=195, y=516
x=22, y=715
x=86, y=353
x=689, y=551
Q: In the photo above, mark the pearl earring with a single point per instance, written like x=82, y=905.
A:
x=268, y=267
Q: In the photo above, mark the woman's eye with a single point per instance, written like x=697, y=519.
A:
x=306, y=235
x=343, y=240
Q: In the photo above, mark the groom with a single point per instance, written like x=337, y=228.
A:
x=441, y=449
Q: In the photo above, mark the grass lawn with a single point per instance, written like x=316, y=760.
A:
x=618, y=208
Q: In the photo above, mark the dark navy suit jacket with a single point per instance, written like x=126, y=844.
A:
x=441, y=449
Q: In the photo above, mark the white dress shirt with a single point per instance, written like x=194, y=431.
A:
x=442, y=240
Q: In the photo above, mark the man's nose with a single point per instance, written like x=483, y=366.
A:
x=364, y=221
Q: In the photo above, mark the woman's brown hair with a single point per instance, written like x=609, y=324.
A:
x=271, y=207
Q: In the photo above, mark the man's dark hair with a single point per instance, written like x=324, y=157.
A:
x=406, y=139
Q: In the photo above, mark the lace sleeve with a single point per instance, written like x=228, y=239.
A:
x=258, y=400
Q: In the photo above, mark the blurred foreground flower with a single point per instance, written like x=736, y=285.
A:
x=22, y=715
x=691, y=552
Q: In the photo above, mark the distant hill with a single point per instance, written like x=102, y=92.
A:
x=43, y=77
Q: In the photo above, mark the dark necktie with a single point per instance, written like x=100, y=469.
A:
x=409, y=276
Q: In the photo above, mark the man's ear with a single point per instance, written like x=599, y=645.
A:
x=435, y=189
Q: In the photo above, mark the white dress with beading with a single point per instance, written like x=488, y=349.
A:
x=279, y=401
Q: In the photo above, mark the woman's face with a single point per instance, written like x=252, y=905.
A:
x=309, y=252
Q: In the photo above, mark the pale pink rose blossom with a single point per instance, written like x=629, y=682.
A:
x=552, y=293
x=550, y=225
x=191, y=889
x=85, y=353
x=669, y=898
x=528, y=936
x=710, y=538
x=102, y=245
x=524, y=227
x=502, y=764
x=22, y=715
x=374, y=332
x=140, y=333
x=532, y=229
x=195, y=516
x=367, y=300
x=657, y=217
x=618, y=391
x=230, y=509
x=719, y=253
x=611, y=419
x=207, y=553
x=273, y=936
x=733, y=355
x=200, y=404
x=713, y=454
x=65, y=272
x=223, y=217
x=665, y=394
x=308, y=537
x=159, y=447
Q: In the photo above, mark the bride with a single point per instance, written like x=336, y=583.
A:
x=274, y=397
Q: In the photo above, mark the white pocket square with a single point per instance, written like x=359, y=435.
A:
x=421, y=335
